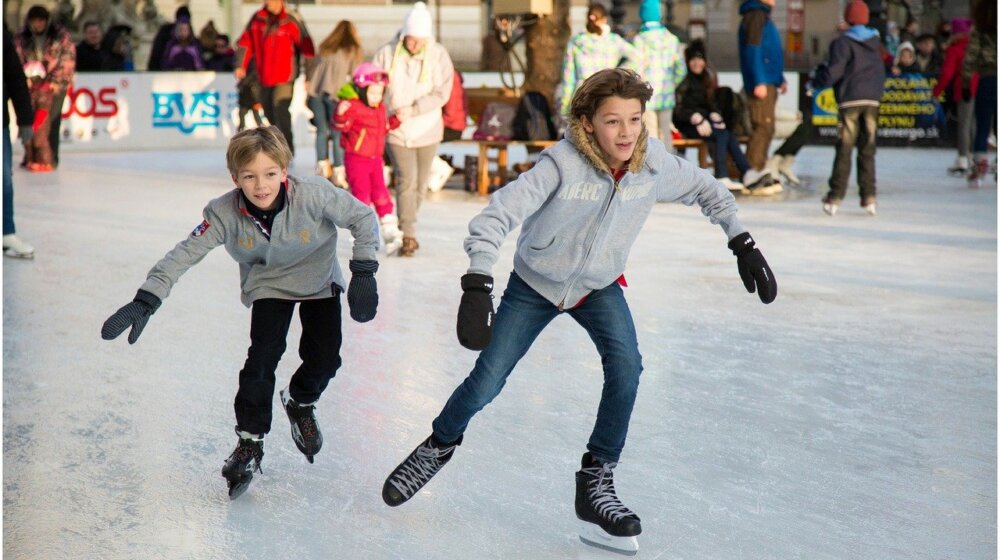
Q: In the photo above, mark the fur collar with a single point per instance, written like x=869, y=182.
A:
x=587, y=145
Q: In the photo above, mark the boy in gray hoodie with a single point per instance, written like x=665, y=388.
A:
x=282, y=230
x=580, y=209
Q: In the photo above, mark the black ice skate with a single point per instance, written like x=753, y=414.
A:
x=305, y=430
x=242, y=463
x=608, y=524
x=412, y=474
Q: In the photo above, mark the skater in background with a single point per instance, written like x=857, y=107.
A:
x=420, y=78
x=950, y=83
x=15, y=93
x=363, y=123
x=662, y=63
x=339, y=54
x=282, y=230
x=981, y=59
x=696, y=116
x=248, y=97
x=183, y=51
x=580, y=209
x=855, y=70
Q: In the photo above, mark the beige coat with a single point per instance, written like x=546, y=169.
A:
x=421, y=82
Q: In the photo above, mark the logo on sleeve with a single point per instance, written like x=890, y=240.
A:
x=201, y=228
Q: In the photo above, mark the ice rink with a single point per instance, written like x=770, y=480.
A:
x=853, y=418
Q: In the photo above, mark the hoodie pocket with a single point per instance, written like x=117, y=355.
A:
x=548, y=256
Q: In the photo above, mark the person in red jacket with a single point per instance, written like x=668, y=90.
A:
x=363, y=123
x=273, y=40
x=454, y=112
x=962, y=93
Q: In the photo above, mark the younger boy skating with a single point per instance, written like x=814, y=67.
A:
x=580, y=209
x=282, y=230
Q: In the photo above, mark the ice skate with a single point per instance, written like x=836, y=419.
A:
x=960, y=167
x=241, y=464
x=786, y=171
x=340, y=177
x=830, y=206
x=733, y=186
x=979, y=174
x=760, y=183
x=14, y=247
x=305, y=430
x=417, y=470
x=324, y=169
x=606, y=522
x=869, y=205
x=392, y=237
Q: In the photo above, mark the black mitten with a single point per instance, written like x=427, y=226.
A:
x=362, y=292
x=475, y=313
x=753, y=268
x=135, y=314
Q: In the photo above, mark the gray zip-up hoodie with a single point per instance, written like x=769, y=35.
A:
x=298, y=262
x=578, y=225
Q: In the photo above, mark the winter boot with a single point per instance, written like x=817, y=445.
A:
x=305, y=430
x=323, y=168
x=417, y=470
x=244, y=460
x=392, y=237
x=607, y=522
x=14, y=247
x=409, y=247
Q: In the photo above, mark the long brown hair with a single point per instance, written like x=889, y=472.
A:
x=343, y=37
x=595, y=12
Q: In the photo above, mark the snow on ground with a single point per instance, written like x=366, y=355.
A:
x=855, y=417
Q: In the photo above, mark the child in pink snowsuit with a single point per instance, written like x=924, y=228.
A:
x=363, y=123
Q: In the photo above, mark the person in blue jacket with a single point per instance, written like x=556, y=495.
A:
x=580, y=209
x=762, y=66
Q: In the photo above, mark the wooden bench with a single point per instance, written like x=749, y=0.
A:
x=499, y=156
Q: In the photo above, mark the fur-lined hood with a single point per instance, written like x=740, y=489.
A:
x=588, y=146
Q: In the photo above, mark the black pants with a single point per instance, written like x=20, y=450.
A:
x=319, y=349
x=55, y=125
x=276, y=101
x=856, y=126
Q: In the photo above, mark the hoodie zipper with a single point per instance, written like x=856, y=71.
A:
x=592, y=240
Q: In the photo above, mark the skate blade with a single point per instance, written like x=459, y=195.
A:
x=593, y=535
x=237, y=488
x=310, y=459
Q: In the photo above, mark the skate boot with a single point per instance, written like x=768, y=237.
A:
x=392, y=237
x=869, y=205
x=417, y=470
x=608, y=524
x=978, y=176
x=960, y=168
x=760, y=183
x=324, y=169
x=241, y=464
x=305, y=430
x=785, y=169
x=340, y=177
x=831, y=205
x=14, y=247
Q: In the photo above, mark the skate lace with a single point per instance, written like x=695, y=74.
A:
x=602, y=493
x=246, y=452
x=415, y=472
x=307, y=422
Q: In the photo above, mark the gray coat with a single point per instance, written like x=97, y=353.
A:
x=298, y=262
x=578, y=225
x=327, y=73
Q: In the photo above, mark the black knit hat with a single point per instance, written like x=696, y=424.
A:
x=37, y=12
x=695, y=49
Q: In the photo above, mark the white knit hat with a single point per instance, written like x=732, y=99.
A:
x=418, y=22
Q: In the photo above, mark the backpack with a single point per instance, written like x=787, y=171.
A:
x=495, y=124
x=533, y=119
x=733, y=107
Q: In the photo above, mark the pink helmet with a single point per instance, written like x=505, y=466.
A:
x=367, y=74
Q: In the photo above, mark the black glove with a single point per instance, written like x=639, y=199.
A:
x=753, y=268
x=475, y=313
x=362, y=293
x=135, y=314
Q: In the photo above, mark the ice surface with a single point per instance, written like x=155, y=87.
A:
x=853, y=418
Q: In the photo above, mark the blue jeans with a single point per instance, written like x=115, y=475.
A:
x=322, y=109
x=725, y=143
x=521, y=316
x=986, y=105
x=8, y=184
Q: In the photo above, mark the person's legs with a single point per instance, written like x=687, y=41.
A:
x=521, y=316
x=41, y=150
x=55, y=125
x=720, y=149
x=734, y=150
x=868, y=123
x=985, y=107
x=425, y=163
x=606, y=317
x=358, y=169
x=277, y=101
x=762, y=120
x=665, y=119
x=269, y=321
x=321, y=120
x=404, y=162
x=966, y=124
x=379, y=192
x=8, y=184
x=847, y=136
x=319, y=348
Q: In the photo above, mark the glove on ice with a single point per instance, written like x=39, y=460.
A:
x=134, y=315
x=753, y=268
x=475, y=312
x=362, y=293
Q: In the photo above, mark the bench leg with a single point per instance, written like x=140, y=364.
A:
x=483, y=171
x=502, y=164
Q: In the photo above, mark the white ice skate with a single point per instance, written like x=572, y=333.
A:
x=392, y=237
x=593, y=535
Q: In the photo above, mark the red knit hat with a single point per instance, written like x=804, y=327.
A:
x=856, y=13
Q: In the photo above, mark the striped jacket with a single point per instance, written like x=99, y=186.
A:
x=661, y=63
x=587, y=53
